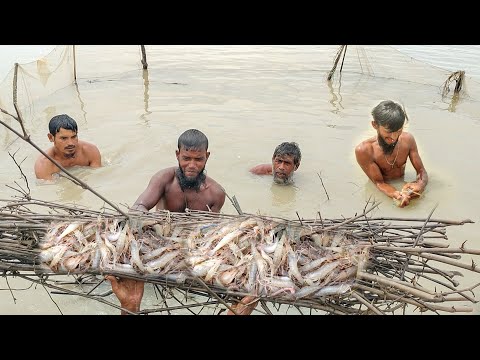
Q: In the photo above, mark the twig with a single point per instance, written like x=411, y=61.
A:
x=296, y=212
x=418, y=238
x=27, y=194
x=350, y=220
x=423, y=227
x=234, y=203
x=216, y=296
x=50, y=296
x=11, y=292
x=321, y=220
x=364, y=301
x=328, y=198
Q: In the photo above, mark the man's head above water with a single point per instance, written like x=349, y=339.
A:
x=388, y=119
x=63, y=133
x=285, y=160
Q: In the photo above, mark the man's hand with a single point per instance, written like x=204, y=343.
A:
x=412, y=189
x=401, y=198
x=129, y=292
x=245, y=306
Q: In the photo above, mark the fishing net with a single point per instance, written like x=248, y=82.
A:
x=26, y=84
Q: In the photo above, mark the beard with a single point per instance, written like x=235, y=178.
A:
x=70, y=155
x=190, y=183
x=283, y=181
x=386, y=148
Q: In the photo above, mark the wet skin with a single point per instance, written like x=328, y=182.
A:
x=381, y=167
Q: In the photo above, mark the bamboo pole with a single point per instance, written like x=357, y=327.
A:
x=74, y=66
x=144, y=57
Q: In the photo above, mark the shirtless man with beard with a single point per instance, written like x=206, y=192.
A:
x=67, y=150
x=383, y=158
x=285, y=161
x=174, y=189
x=186, y=186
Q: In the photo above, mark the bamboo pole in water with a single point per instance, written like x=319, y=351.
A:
x=144, y=57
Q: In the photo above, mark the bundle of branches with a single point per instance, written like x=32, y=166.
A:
x=361, y=265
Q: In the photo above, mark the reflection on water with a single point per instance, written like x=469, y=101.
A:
x=283, y=195
x=336, y=101
x=146, y=97
x=69, y=192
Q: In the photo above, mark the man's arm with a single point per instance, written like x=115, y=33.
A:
x=153, y=193
x=218, y=198
x=364, y=155
x=421, y=182
x=262, y=169
x=128, y=291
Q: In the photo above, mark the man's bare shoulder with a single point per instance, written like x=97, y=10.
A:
x=214, y=186
x=407, y=137
x=43, y=167
x=262, y=169
x=164, y=175
x=42, y=160
x=365, y=147
x=86, y=143
x=88, y=148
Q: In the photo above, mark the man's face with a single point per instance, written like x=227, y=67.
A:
x=65, y=141
x=283, y=168
x=387, y=139
x=191, y=163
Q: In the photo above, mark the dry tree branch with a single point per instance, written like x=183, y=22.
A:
x=351, y=219
x=365, y=302
x=25, y=193
x=417, y=239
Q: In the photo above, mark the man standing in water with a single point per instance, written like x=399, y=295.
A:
x=67, y=150
x=175, y=189
x=384, y=157
x=285, y=161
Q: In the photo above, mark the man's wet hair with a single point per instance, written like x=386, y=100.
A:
x=62, y=121
x=193, y=139
x=390, y=115
x=289, y=148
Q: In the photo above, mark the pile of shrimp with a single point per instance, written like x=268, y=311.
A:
x=249, y=254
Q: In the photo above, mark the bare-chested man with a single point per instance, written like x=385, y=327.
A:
x=67, y=150
x=285, y=161
x=384, y=157
x=174, y=189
